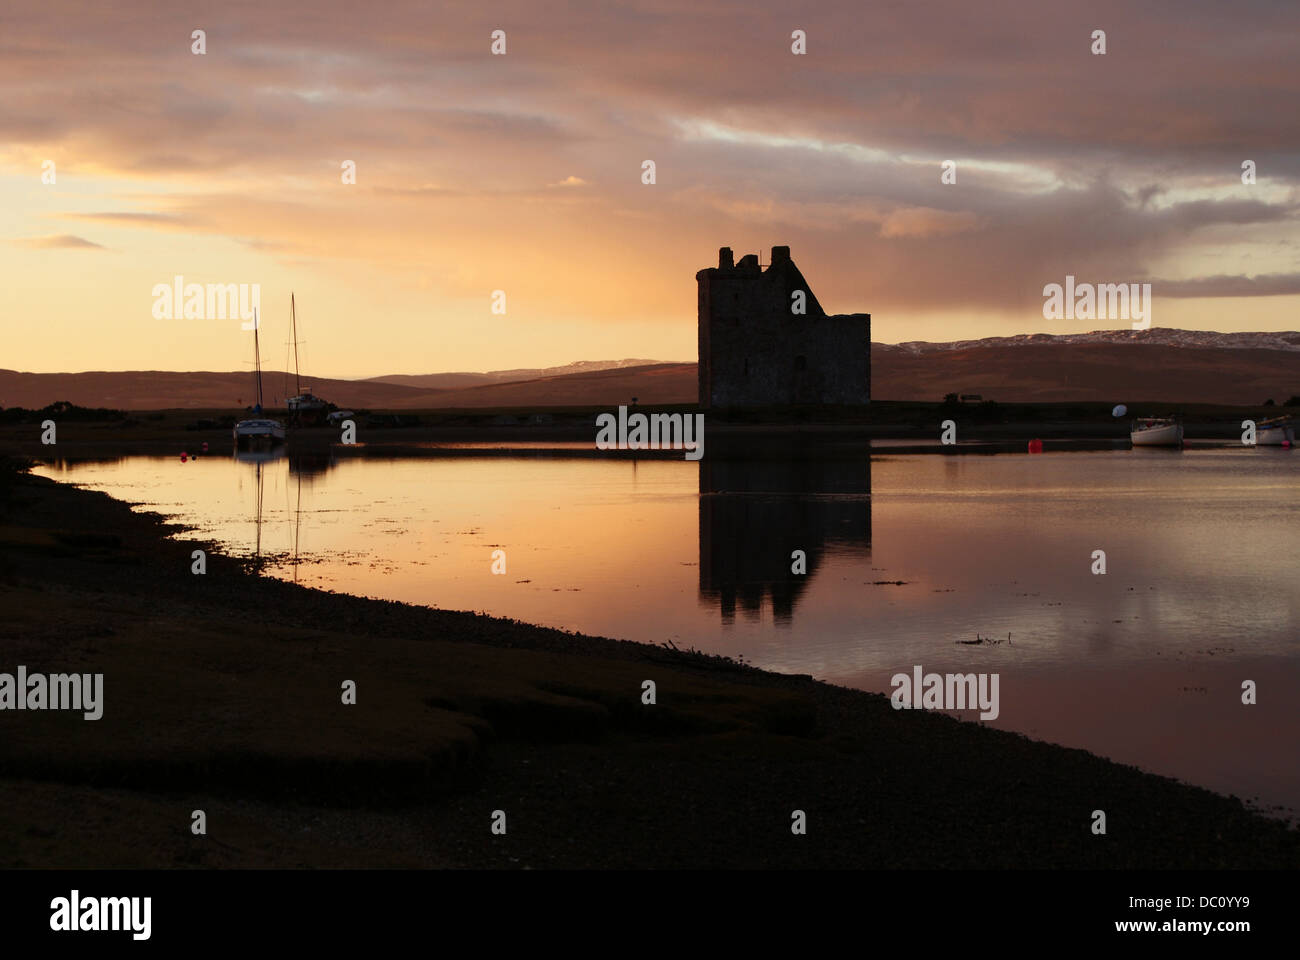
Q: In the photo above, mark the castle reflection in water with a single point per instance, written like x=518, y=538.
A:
x=758, y=503
x=758, y=507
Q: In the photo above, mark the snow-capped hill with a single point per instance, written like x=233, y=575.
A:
x=1157, y=336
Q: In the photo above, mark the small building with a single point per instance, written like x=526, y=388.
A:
x=764, y=339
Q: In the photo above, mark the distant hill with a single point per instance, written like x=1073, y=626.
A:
x=1089, y=372
x=434, y=381
x=654, y=384
x=1157, y=336
x=163, y=389
x=157, y=390
x=1163, y=365
x=441, y=381
x=1158, y=365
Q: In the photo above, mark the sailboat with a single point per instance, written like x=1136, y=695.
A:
x=305, y=408
x=258, y=429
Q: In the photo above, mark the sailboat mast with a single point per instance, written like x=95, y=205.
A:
x=257, y=361
x=293, y=314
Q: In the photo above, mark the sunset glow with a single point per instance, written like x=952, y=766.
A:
x=522, y=172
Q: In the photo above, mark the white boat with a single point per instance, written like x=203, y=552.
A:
x=1156, y=432
x=257, y=429
x=1277, y=432
x=306, y=403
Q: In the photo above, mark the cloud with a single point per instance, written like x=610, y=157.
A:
x=65, y=241
x=466, y=161
x=927, y=222
x=1264, y=285
x=129, y=219
x=424, y=190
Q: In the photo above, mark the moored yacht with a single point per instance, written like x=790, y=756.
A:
x=306, y=408
x=257, y=429
x=1156, y=432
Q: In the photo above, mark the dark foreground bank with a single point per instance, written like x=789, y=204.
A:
x=223, y=693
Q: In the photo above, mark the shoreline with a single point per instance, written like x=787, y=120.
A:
x=903, y=427
x=222, y=694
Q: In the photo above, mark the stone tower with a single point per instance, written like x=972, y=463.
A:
x=756, y=351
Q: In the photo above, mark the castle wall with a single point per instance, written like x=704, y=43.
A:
x=755, y=352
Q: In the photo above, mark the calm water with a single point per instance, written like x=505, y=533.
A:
x=1144, y=664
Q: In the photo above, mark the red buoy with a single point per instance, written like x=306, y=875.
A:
x=1035, y=446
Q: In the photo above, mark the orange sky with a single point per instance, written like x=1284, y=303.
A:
x=522, y=172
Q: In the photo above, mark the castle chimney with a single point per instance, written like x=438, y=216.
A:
x=724, y=259
x=779, y=254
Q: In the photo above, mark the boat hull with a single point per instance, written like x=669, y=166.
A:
x=1275, y=436
x=304, y=403
x=258, y=431
x=1166, y=435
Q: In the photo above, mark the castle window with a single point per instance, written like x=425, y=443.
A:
x=747, y=366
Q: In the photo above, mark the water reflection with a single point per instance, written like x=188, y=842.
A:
x=302, y=466
x=312, y=464
x=258, y=457
x=757, y=511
